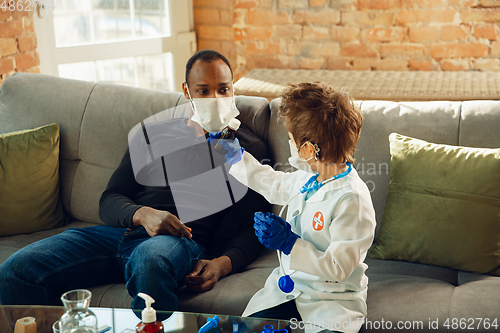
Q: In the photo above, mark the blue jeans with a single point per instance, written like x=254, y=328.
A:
x=84, y=257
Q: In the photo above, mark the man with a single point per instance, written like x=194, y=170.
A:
x=144, y=243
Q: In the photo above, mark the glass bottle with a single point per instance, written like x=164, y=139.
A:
x=149, y=324
x=77, y=318
x=229, y=132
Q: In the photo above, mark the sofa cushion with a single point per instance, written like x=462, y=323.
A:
x=471, y=288
x=436, y=121
x=29, y=100
x=407, y=304
x=29, y=180
x=443, y=206
x=479, y=123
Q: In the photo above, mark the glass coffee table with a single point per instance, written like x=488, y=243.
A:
x=124, y=320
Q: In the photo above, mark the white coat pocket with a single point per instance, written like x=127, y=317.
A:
x=329, y=287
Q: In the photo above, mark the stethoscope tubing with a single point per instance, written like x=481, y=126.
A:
x=302, y=191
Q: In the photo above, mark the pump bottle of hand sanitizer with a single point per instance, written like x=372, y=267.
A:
x=149, y=323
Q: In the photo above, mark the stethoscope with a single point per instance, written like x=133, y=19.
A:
x=285, y=283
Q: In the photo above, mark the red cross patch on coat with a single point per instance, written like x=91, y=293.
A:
x=318, y=221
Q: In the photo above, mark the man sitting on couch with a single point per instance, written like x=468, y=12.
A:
x=144, y=244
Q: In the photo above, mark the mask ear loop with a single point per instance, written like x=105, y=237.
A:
x=316, y=150
x=193, y=106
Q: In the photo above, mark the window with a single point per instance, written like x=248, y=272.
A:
x=142, y=43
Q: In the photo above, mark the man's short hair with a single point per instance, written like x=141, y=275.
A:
x=322, y=115
x=208, y=56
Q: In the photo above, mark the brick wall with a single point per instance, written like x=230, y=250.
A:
x=352, y=34
x=214, y=25
x=17, y=43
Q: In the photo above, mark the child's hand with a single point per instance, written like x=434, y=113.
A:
x=214, y=136
x=233, y=148
x=274, y=232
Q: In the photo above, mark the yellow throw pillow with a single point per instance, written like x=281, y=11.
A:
x=443, y=206
x=29, y=181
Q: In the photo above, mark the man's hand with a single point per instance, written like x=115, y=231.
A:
x=159, y=222
x=206, y=273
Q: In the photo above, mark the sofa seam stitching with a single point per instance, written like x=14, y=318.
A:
x=451, y=302
x=78, y=147
x=178, y=100
x=81, y=120
x=459, y=123
x=104, y=292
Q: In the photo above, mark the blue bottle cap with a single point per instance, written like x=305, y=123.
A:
x=267, y=329
x=286, y=284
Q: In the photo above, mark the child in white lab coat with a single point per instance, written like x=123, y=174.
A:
x=321, y=283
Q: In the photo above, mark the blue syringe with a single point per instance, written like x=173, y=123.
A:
x=211, y=323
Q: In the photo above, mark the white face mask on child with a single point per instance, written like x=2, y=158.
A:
x=297, y=161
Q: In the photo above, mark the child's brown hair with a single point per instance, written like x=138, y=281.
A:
x=322, y=115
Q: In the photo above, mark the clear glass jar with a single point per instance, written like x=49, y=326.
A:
x=77, y=318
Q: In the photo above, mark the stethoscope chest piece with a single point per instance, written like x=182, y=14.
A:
x=286, y=284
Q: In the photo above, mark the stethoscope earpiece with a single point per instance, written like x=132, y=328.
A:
x=286, y=284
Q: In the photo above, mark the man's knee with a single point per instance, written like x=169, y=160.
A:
x=149, y=263
x=5, y=276
x=15, y=266
x=13, y=277
x=162, y=255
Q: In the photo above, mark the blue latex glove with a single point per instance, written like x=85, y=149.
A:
x=274, y=232
x=311, y=185
x=213, y=137
x=234, y=150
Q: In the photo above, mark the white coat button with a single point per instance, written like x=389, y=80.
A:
x=295, y=213
x=289, y=297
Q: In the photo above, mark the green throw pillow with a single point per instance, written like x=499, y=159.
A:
x=29, y=180
x=443, y=206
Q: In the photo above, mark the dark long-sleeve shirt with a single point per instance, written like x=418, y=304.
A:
x=226, y=232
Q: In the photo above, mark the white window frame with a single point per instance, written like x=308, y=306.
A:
x=181, y=43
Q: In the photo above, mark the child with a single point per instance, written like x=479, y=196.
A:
x=330, y=221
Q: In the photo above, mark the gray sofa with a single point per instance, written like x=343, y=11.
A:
x=95, y=120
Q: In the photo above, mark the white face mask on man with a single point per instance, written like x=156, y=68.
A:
x=213, y=114
x=299, y=162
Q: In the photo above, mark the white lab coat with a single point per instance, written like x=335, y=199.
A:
x=336, y=226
